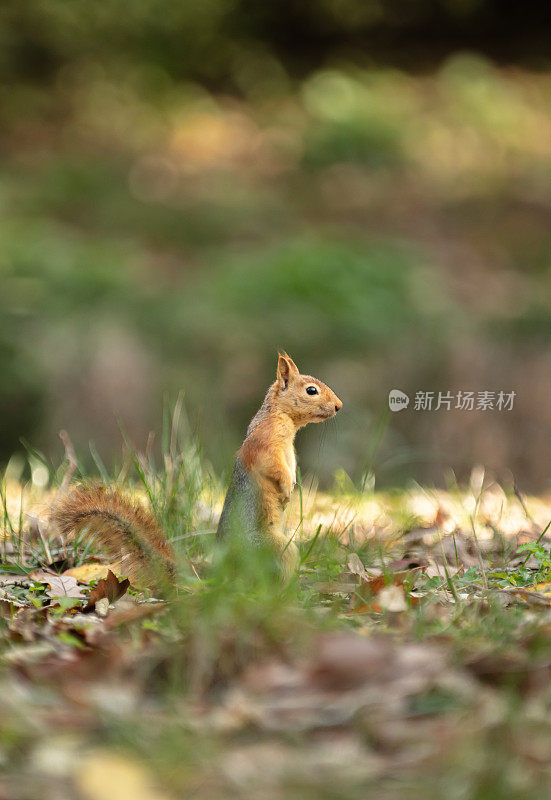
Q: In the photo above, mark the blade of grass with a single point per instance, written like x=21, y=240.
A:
x=312, y=544
x=99, y=463
x=538, y=540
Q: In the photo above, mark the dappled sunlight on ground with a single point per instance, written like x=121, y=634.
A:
x=386, y=667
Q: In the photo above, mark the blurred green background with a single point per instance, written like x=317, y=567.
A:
x=186, y=187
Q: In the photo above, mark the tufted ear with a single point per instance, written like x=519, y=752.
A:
x=286, y=370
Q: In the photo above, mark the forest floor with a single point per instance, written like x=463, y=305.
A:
x=411, y=656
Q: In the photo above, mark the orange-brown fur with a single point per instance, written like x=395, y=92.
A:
x=263, y=480
x=124, y=530
x=268, y=453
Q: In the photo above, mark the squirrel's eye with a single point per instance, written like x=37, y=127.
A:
x=311, y=390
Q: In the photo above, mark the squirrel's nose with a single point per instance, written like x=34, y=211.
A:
x=338, y=406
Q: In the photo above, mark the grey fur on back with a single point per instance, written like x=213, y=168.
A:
x=241, y=512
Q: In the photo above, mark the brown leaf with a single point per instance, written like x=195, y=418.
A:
x=109, y=587
x=368, y=589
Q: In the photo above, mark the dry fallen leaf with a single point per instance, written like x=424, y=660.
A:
x=87, y=573
x=59, y=585
x=103, y=775
x=357, y=568
x=109, y=588
x=373, y=581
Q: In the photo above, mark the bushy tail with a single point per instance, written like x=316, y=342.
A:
x=123, y=529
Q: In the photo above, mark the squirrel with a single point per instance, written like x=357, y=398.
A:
x=262, y=481
x=265, y=468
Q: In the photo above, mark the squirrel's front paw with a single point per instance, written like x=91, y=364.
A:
x=285, y=490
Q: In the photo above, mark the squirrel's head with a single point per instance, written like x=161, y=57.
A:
x=303, y=398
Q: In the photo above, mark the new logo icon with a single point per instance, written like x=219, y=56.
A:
x=397, y=400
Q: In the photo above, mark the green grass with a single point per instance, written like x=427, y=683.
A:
x=192, y=710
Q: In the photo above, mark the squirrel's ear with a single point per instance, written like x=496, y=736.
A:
x=286, y=369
